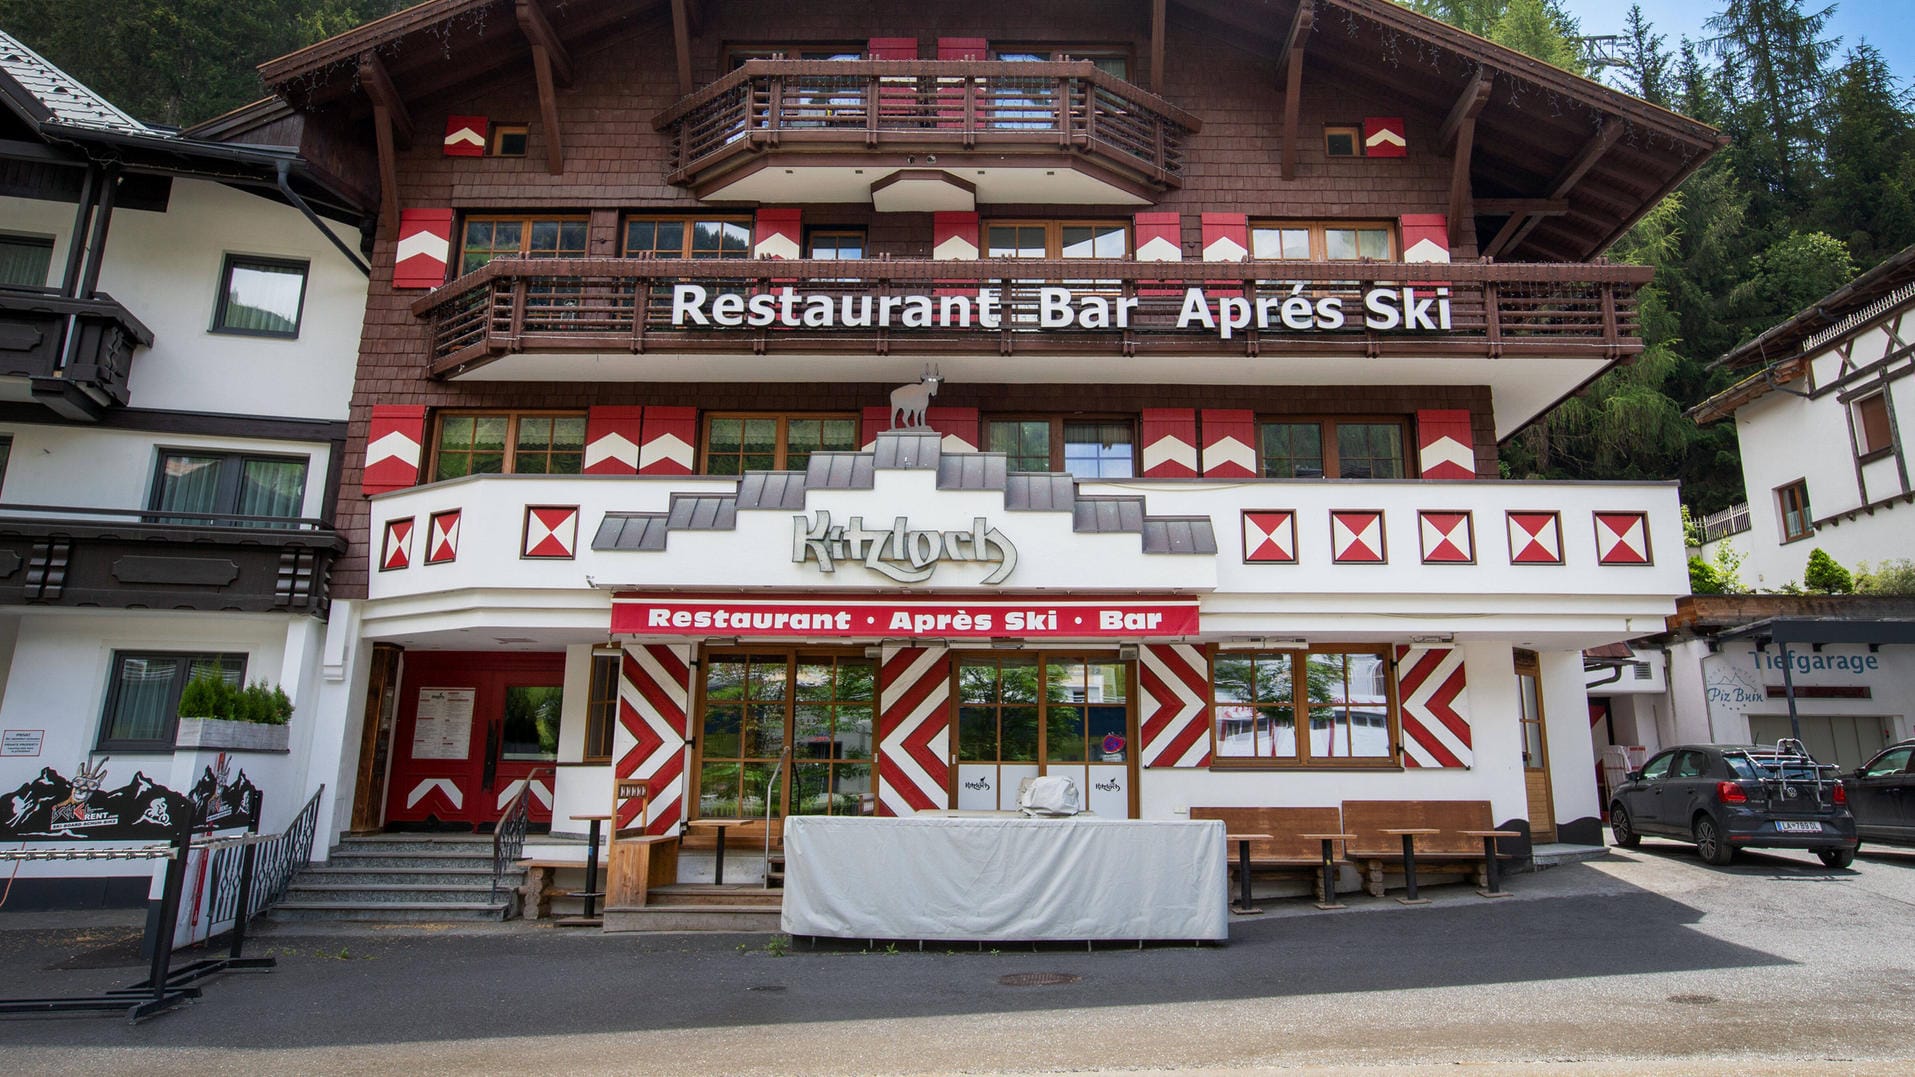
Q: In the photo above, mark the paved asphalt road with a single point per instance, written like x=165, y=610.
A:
x=1647, y=961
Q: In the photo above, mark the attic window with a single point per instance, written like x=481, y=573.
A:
x=1342, y=141
x=508, y=140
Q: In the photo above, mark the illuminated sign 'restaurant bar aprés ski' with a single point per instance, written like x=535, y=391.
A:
x=834, y=617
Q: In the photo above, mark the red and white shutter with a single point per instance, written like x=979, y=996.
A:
x=612, y=436
x=424, y=248
x=963, y=48
x=1226, y=237
x=395, y=441
x=1445, y=444
x=892, y=48
x=465, y=136
x=1175, y=678
x=914, y=729
x=897, y=97
x=1383, y=136
x=1170, y=443
x=1426, y=237
x=951, y=98
x=871, y=423
x=1230, y=444
x=777, y=233
x=1435, y=707
x=954, y=236
x=1160, y=237
x=958, y=425
x=670, y=440
x=654, y=695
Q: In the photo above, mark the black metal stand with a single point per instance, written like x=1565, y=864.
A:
x=1492, y=872
x=1409, y=872
x=1244, y=906
x=1329, y=877
x=232, y=962
x=592, y=892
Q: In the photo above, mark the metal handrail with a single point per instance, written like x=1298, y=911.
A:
x=162, y=517
x=508, y=837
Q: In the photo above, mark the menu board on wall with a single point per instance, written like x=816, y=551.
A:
x=443, y=728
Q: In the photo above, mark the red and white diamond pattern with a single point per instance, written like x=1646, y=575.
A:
x=1270, y=536
x=1356, y=538
x=914, y=729
x=1435, y=707
x=551, y=531
x=398, y=548
x=442, y=537
x=1447, y=538
x=1176, y=682
x=1622, y=538
x=654, y=692
x=1535, y=538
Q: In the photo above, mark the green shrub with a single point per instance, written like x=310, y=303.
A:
x=209, y=696
x=1824, y=576
x=1703, y=578
x=1889, y=578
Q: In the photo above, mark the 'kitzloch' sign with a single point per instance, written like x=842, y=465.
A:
x=833, y=617
x=899, y=551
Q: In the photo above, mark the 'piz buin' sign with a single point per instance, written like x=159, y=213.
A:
x=899, y=552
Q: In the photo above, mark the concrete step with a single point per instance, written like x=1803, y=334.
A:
x=361, y=859
x=655, y=917
x=341, y=874
x=469, y=844
x=742, y=895
x=386, y=912
x=391, y=893
x=1553, y=853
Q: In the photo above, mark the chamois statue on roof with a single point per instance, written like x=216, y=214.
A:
x=909, y=402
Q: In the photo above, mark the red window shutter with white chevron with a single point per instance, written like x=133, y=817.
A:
x=670, y=441
x=612, y=438
x=1426, y=237
x=954, y=423
x=1226, y=237
x=892, y=48
x=1170, y=443
x=1434, y=703
x=425, y=245
x=1445, y=445
x=777, y=233
x=1230, y=444
x=465, y=136
x=1159, y=238
x=395, y=447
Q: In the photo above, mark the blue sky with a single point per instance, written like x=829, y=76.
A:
x=1885, y=24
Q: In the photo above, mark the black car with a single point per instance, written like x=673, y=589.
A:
x=1725, y=798
x=1882, y=795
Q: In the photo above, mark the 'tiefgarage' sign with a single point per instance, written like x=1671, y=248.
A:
x=835, y=617
x=693, y=306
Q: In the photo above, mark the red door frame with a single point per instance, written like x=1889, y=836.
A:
x=466, y=790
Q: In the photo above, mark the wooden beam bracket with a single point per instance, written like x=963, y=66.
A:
x=378, y=86
x=1459, y=136
x=539, y=34
x=1290, y=74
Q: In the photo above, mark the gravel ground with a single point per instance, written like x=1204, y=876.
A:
x=1649, y=961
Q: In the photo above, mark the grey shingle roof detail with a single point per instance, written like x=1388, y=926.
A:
x=972, y=471
x=1101, y=514
x=772, y=490
x=702, y=512
x=839, y=471
x=1031, y=491
x=907, y=449
x=69, y=101
x=1179, y=534
x=630, y=531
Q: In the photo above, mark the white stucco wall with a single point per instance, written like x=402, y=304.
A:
x=90, y=467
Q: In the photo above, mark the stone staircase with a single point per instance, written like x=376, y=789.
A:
x=400, y=877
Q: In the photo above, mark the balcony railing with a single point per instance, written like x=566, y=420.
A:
x=927, y=106
x=141, y=559
x=609, y=305
x=77, y=353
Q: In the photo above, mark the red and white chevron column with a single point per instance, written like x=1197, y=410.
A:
x=654, y=722
x=1176, y=726
x=1435, y=704
x=914, y=729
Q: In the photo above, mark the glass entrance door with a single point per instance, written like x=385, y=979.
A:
x=801, y=718
x=1020, y=716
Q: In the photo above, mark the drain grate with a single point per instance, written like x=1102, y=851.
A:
x=766, y=987
x=1038, y=979
x=1695, y=1000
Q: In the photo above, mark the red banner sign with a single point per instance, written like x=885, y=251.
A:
x=835, y=617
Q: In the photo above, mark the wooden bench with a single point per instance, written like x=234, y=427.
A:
x=541, y=883
x=1287, y=853
x=1456, y=845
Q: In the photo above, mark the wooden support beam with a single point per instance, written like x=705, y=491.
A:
x=1587, y=157
x=1157, y=46
x=378, y=86
x=1290, y=72
x=682, y=45
x=382, y=135
x=1469, y=105
x=1459, y=134
x=1542, y=207
x=540, y=35
x=1518, y=224
x=542, y=67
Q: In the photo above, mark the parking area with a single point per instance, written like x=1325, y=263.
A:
x=1646, y=960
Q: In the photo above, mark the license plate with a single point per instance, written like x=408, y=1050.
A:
x=1799, y=828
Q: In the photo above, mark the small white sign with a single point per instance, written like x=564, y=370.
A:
x=21, y=742
x=443, y=727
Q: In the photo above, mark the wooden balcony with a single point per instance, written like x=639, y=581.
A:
x=134, y=559
x=77, y=354
x=848, y=124
x=610, y=306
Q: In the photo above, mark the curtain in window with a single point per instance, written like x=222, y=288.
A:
x=188, y=483
x=143, y=704
x=263, y=298
x=271, y=487
x=25, y=261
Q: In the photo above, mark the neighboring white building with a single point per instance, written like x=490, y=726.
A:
x=177, y=343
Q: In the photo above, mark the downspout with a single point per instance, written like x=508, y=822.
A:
x=283, y=167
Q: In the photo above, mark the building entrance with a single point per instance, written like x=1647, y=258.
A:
x=794, y=725
x=1019, y=716
x=474, y=729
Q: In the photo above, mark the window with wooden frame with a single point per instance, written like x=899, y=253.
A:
x=688, y=237
x=735, y=444
x=508, y=443
x=495, y=236
x=1792, y=502
x=601, y=708
x=1341, y=140
x=1088, y=448
x=1346, y=711
x=508, y=140
x=1056, y=239
x=835, y=244
x=753, y=705
x=1323, y=241
x=736, y=55
x=1113, y=60
x=1873, y=436
x=1344, y=448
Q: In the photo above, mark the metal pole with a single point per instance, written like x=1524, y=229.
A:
x=246, y=859
x=1788, y=691
x=170, y=910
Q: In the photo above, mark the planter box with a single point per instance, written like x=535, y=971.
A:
x=234, y=736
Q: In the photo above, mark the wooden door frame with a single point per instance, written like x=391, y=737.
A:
x=1529, y=664
x=1043, y=657
x=380, y=724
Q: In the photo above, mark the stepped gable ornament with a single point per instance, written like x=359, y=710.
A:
x=910, y=402
x=50, y=805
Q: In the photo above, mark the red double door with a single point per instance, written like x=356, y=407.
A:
x=475, y=728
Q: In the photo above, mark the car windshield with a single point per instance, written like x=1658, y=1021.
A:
x=1789, y=768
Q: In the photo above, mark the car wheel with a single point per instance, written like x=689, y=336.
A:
x=1619, y=826
x=1709, y=843
x=1836, y=858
